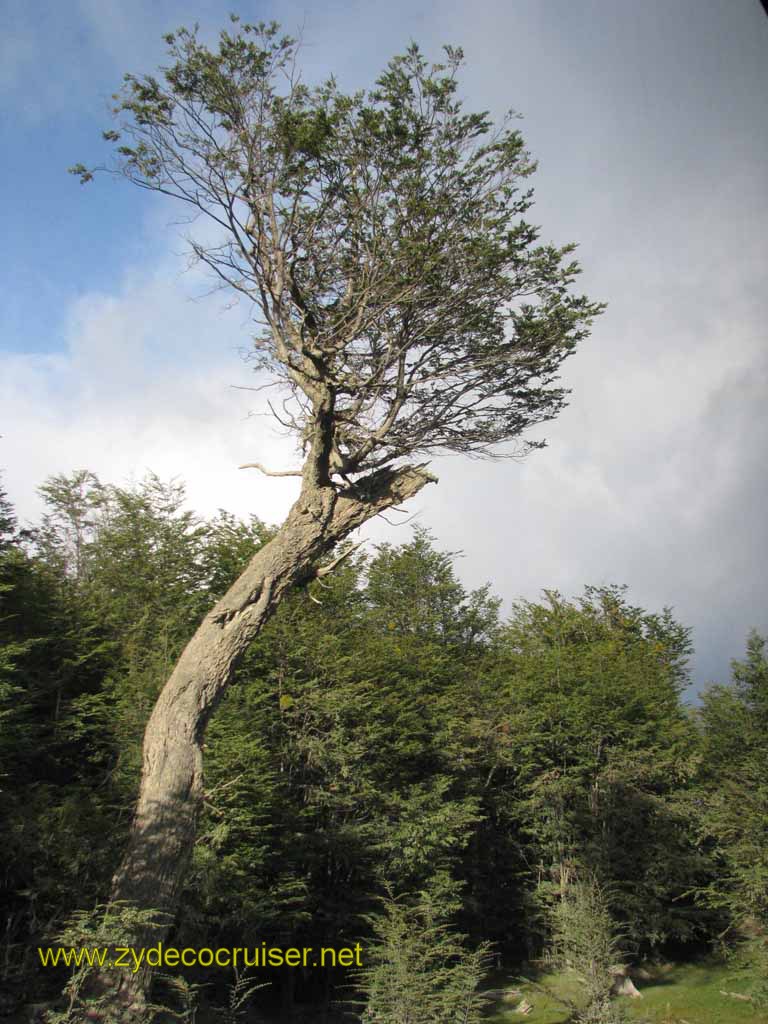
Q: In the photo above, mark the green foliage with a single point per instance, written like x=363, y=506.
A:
x=336, y=762
x=96, y=604
x=413, y=590
x=587, y=747
x=382, y=236
x=141, y=571
x=241, y=989
x=106, y=926
x=732, y=804
x=37, y=649
x=586, y=941
x=419, y=970
x=384, y=728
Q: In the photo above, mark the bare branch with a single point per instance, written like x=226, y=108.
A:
x=326, y=570
x=269, y=472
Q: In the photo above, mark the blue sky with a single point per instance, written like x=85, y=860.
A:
x=649, y=123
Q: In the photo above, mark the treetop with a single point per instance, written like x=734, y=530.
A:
x=402, y=299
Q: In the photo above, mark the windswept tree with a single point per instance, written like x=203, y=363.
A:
x=403, y=305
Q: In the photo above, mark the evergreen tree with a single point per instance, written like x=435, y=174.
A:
x=95, y=602
x=588, y=746
x=386, y=735
x=40, y=800
x=341, y=760
x=419, y=970
x=733, y=803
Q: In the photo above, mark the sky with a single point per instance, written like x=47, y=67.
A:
x=650, y=126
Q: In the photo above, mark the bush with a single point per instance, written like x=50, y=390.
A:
x=421, y=972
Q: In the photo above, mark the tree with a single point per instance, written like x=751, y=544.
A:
x=43, y=667
x=586, y=941
x=403, y=306
x=733, y=803
x=339, y=761
x=419, y=971
x=588, y=748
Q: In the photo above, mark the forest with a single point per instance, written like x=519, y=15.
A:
x=396, y=765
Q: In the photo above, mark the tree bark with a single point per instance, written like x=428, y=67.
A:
x=170, y=796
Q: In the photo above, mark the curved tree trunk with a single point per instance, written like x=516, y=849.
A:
x=170, y=797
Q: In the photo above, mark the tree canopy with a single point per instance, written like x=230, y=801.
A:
x=405, y=304
x=398, y=737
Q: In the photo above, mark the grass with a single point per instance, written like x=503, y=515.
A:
x=672, y=994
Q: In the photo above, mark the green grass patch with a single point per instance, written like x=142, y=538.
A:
x=672, y=994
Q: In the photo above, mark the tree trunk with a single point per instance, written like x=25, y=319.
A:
x=163, y=832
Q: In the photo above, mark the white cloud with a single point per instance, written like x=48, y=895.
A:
x=145, y=381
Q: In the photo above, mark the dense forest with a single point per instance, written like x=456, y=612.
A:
x=397, y=765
